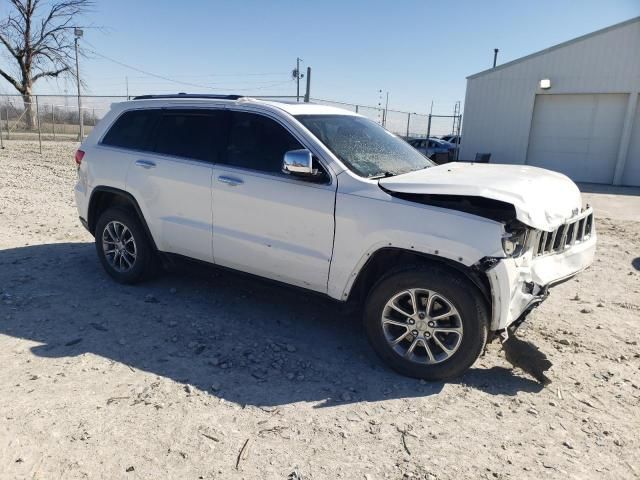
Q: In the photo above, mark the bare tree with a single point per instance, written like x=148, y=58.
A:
x=38, y=35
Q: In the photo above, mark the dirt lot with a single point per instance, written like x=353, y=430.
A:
x=204, y=374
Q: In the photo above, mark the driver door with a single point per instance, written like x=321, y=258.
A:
x=264, y=221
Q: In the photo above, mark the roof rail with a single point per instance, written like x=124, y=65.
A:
x=189, y=95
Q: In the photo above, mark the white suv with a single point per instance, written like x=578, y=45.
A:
x=441, y=257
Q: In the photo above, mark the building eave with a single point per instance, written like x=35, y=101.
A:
x=555, y=47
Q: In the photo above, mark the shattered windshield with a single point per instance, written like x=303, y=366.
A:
x=364, y=146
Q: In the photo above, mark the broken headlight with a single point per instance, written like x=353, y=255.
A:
x=514, y=243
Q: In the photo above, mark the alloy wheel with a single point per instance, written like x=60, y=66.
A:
x=422, y=326
x=119, y=246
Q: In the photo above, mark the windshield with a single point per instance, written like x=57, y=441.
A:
x=364, y=146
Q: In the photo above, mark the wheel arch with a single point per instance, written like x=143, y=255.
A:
x=103, y=197
x=387, y=258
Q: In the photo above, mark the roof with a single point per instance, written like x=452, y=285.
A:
x=556, y=47
x=307, y=108
x=293, y=108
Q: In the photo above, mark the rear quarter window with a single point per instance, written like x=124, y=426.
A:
x=131, y=130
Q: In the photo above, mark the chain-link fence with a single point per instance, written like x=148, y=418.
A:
x=50, y=117
x=56, y=117
x=402, y=123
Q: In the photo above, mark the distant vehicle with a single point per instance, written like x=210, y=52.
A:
x=435, y=149
x=455, y=139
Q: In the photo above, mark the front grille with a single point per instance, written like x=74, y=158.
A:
x=565, y=236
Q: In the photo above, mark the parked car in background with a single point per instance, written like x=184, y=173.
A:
x=435, y=149
x=440, y=258
x=455, y=139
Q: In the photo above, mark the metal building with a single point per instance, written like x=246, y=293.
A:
x=572, y=108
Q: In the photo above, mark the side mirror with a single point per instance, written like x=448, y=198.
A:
x=299, y=163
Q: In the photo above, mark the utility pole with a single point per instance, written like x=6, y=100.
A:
x=386, y=110
x=495, y=56
x=78, y=33
x=296, y=74
x=307, y=96
x=297, y=79
x=126, y=79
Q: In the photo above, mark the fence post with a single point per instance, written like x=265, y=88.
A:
x=408, y=122
x=356, y=108
x=1, y=139
x=7, y=112
x=38, y=119
x=53, y=120
x=459, y=138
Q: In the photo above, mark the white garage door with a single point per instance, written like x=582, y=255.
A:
x=578, y=135
x=631, y=174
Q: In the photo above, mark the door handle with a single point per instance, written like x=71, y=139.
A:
x=145, y=164
x=231, y=181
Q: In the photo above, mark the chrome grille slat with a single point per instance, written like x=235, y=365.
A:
x=565, y=236
x=553, y=238
x=542, y=239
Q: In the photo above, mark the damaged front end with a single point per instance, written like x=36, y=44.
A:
x=542, y=260
x=533, y=260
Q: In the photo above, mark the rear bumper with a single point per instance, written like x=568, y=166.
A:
x=518, y=285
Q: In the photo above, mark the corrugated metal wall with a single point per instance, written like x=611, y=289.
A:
x=499, y=103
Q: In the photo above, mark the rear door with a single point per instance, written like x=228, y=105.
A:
x=172, y=181
x=266, y=222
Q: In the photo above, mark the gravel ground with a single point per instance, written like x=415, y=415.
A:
x=208, y=374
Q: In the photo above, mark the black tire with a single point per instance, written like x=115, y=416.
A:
x=142, y=266
x=459, y=291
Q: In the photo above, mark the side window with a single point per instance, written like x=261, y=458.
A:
x=196, y=134
x=131, y=129
x=258, y=143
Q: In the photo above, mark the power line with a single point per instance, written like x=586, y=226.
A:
x=180, y=82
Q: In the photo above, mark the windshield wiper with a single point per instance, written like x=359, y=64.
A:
x=383, y=175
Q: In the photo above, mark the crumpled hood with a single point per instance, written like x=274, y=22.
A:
x=542, y=199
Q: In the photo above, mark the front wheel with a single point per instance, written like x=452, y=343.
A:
x=428, y=323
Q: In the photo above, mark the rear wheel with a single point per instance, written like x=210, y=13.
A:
x=122, y=245
x=428, y=323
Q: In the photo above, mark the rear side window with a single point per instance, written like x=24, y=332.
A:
x=258, y=143
x=195, y=134
x=131, y=130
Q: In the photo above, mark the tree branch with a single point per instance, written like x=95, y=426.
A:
x=12, y=81
x=8, y=46
x=50, y=74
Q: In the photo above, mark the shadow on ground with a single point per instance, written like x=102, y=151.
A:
x=243, y=339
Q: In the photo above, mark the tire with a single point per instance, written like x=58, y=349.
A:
x=136, y=260
x=457, y=321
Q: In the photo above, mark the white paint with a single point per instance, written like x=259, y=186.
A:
x=175, y=199
x=543, y=199
x=272, y=226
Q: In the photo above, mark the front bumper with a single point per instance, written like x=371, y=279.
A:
x=519, y=284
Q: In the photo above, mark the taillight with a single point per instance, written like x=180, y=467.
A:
x=79, y=157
